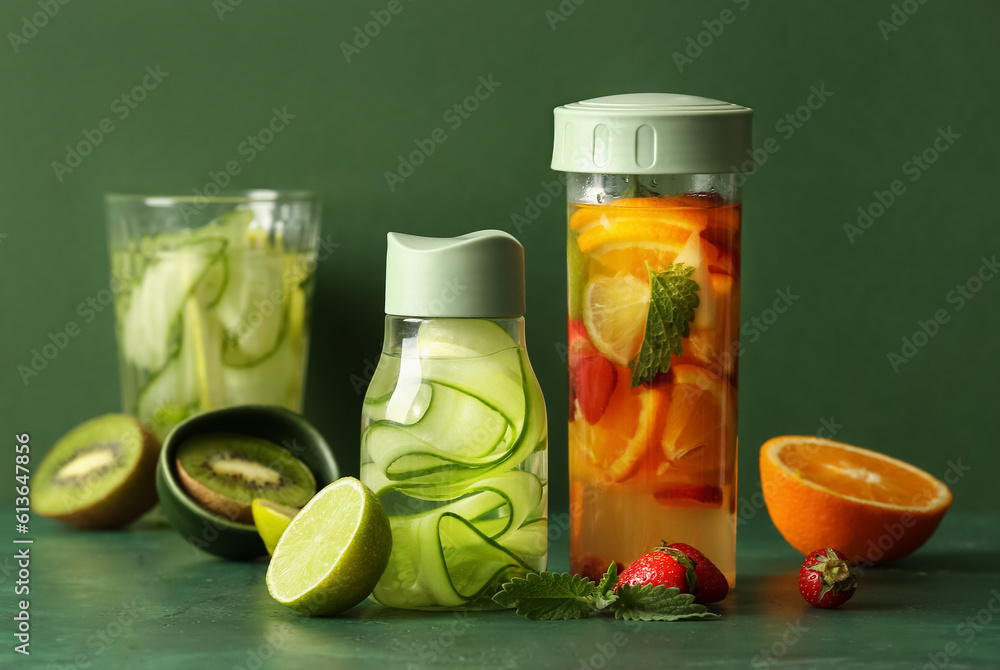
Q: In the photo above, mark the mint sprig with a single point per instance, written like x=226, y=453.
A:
x=672, y=302
x=547, y=596
x=657, y=603
x=606, y=589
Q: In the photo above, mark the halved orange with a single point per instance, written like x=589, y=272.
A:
x=822, y=493
x=615, y=447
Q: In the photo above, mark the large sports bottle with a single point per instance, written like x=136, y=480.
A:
x=653, y=253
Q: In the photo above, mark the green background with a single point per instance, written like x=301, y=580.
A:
x=825, y=357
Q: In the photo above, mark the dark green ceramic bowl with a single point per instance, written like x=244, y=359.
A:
x=210, y=532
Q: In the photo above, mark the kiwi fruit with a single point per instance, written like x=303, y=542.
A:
x=101, y=474
x=224, y=472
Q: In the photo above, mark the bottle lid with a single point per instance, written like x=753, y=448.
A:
x=476, y=275
x=651, y=133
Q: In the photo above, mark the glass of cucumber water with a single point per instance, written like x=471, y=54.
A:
x=212, y=300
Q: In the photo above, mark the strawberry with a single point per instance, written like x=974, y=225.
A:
x=663, y=566
x=595, y=382
x=592, y=377
x=712, y=584
x=827, y=579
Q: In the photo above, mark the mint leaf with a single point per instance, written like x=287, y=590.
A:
x=657, y=603
x=672, y=301
x=547, y=595
x=606, y=589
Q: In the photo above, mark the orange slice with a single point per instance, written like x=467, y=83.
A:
x=700, y=434
x=712, y=347
x=872, y=507
x=634, y=229
x=588, y=217
x=616, y=446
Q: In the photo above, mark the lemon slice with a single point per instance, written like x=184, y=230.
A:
x=614, y=313
x=333, y=552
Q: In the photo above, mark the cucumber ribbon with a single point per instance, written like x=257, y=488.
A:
x=458, y=442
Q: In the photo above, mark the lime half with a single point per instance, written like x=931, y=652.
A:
x=271, y=520
x=333, y=552
x=614, y=313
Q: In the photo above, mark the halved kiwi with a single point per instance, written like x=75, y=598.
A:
x=224, y=472
x=101, y=474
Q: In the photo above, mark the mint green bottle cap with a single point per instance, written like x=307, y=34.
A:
x=477, y=275
x=651, y=133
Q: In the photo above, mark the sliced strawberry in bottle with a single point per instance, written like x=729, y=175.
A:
x=690, y=495
x=591, y=376
x=595, y=382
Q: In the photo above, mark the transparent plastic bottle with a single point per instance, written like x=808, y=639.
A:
x=653, y=250
x=454, y=433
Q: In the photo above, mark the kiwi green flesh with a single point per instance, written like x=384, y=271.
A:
x=224, y=472
x=101, y=474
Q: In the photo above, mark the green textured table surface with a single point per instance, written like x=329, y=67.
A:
x=143, y=598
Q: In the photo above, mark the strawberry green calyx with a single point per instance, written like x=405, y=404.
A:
x=836, y=574
x=689, y=565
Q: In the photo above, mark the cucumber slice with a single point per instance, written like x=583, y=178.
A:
x=172, y=393
x=151, y=323
x=255, y=310
x=452, y=424
x=530, y=540
x=456, y=553
x=274, y=380
x=456, y=428
x=462, y=338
